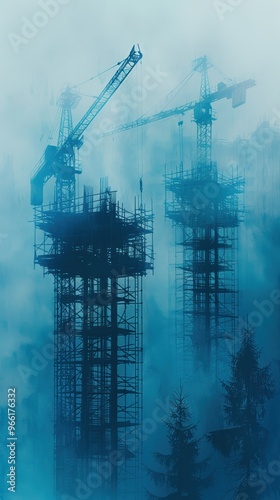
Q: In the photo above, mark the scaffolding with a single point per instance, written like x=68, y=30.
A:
x=98, y=255
x=204, y=208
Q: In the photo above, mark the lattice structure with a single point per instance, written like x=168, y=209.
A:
x=203, y=207
x=67, y=167
x=98, y=256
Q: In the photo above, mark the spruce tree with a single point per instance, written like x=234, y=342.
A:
x=248, y=390
x=183, y=474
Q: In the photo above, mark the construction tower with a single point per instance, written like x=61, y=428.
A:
x=203, y=206
x=98, y=253
x=98, y=256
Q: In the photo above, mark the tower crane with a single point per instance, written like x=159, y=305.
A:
x=202, y=109
x=59, y=161
x=205, y=282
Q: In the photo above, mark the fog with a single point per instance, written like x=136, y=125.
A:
x=69, y=45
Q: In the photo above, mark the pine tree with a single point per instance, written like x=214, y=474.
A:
x=183, y=473
x=244, y=440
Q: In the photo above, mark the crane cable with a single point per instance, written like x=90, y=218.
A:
x=182, y=83
x=165, y=99
x=99, y=74
x=56, y=122
x=220, y=72
x=140, y=137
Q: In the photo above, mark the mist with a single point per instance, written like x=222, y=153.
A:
x=77, y=42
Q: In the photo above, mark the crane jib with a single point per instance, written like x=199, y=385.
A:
x=236, y=92
x=45, y=169
x=123, y=71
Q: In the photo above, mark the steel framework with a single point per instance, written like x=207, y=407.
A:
x=204, y=210
x=98, y=256
x=204, y=207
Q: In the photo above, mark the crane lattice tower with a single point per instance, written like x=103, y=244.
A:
x=204, y=208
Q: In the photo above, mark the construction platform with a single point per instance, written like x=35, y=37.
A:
x=98, y=255
x=205, y=212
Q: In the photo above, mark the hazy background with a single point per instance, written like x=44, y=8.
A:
x=83, y=39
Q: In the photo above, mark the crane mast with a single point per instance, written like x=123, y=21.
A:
x=65, y=187
x=59, y=161
x=206, y=232
x=203, y=118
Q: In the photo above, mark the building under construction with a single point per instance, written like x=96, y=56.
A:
x=98, y=253
x=203, y=207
